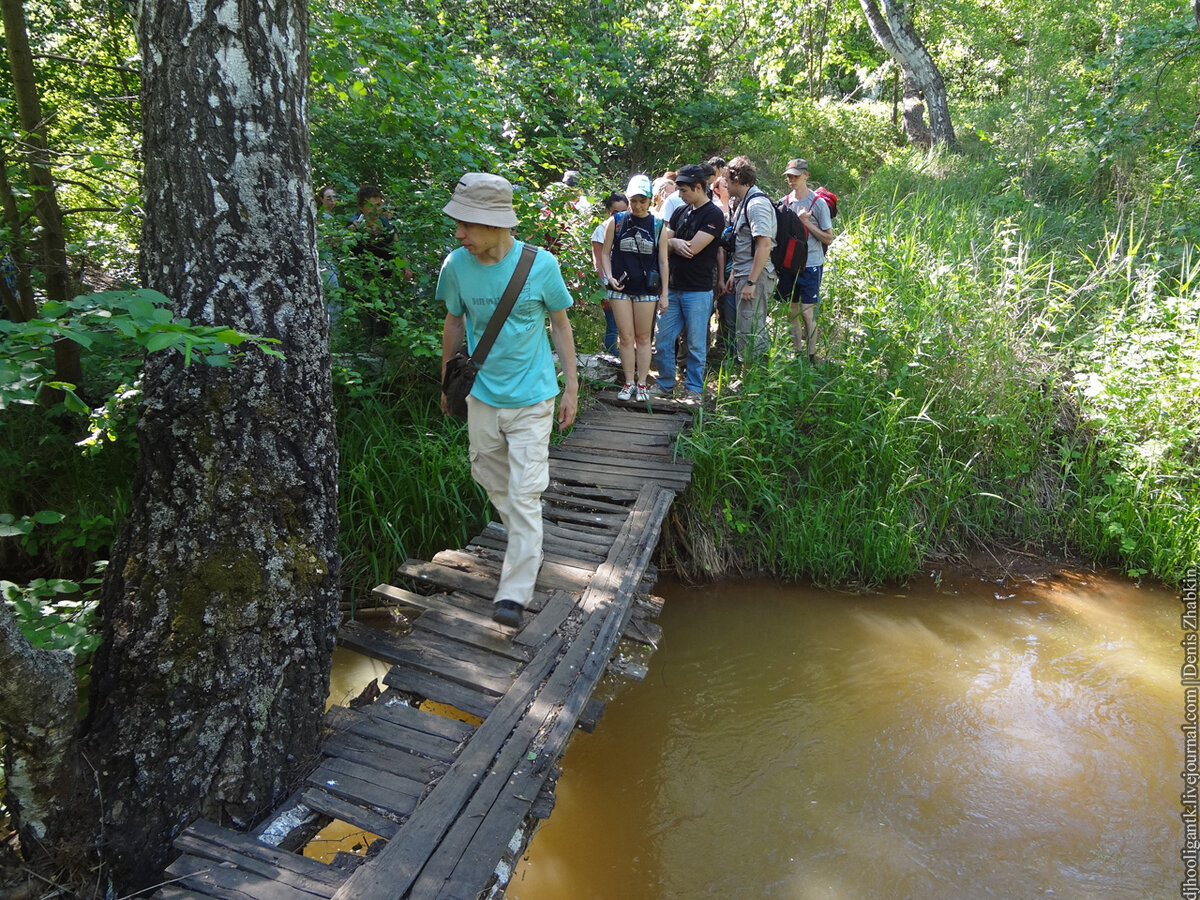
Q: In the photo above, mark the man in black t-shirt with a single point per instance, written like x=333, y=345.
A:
x=692, y=241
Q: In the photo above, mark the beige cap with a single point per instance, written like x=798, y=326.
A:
x=482, y=199
x=796, y=167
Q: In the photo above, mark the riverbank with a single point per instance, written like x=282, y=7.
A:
x=994, y=372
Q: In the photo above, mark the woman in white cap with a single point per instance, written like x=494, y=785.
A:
x=635, y=270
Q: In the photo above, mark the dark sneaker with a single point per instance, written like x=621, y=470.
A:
x=507, y=613
x=657, y=390
x=693, y=397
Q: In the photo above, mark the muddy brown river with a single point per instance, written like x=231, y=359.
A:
x=961, y=740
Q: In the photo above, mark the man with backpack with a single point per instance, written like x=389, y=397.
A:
x=753, y=274
x=801, y=287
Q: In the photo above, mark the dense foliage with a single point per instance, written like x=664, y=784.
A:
x=1011, y=330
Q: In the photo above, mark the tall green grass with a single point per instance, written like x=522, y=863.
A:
x=405, y=489
x=998, y=372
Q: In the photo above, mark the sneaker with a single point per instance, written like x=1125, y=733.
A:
x=507, y=613
x=642, y=393
x=693, y=397
x=658, y=390
x=626, y=392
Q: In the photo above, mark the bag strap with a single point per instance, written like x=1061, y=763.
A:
x=507, y=302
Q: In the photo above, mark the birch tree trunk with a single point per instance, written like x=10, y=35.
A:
x=39, y=708
x=220, y=609
x=891, y=27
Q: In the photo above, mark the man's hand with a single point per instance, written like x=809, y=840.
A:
x=566, y=408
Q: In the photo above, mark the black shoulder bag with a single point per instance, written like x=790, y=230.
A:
x=461, y=369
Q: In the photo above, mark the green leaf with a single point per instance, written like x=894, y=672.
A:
x=48, y=517
x=161, y=341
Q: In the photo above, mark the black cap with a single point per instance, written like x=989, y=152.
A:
x=690, y=175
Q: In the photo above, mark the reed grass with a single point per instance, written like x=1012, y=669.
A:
x=405, y=489
x=997, y=371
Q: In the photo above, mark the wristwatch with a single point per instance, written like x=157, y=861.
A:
x=748, y=281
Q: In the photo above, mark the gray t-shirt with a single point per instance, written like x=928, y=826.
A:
x=755, y=217
x=820, y=214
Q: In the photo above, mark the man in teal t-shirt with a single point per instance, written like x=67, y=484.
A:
x=511, y=406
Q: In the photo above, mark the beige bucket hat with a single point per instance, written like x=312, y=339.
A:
x=482, y=199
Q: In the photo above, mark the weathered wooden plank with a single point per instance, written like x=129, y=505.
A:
x=567, y=542
x=337, y=808
x=630, y=439
x=602, y=536
x=643, y=632
x=432, y=687
x=553, y=576
x=435, y=654
x=589, y=716
x=391, y=708
x=555, y=513
x=456, y=579
x=397, y=865
x=628, y=497
x=364, y=639
x=547, y=621
x=469, y=632
x=494, y=538
x=212, y=879
x=471, y=607
x=611, y=475
x=360, y=749
x=367, y=724
x=562, y=495
x=633, y=462
x=209, y=841
x=171, y=892
x=365, y=786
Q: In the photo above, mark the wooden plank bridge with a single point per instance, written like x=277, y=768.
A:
x=454, y=803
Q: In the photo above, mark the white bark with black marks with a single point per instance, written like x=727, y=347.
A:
x=221, y=606
x=890, y=25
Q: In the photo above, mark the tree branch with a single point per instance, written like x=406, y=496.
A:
x=84, y=62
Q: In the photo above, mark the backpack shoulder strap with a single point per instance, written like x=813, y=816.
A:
x=507, y=302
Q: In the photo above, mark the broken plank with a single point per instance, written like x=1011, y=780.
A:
x=433, y=687
x=208, y=841
x=366, y=786
x=360, y=817
x=212, y=879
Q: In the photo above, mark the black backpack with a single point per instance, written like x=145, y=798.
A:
x=791, y=240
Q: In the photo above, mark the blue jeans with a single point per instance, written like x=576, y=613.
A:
x=610, y=332
x=690, y=309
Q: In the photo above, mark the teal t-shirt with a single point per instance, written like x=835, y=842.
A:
x=519, y=370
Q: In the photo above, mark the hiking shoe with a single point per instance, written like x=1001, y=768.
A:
x=693, y=397
x=507, y=613
x=657, y=390
x=626, y=392
x=642, y=392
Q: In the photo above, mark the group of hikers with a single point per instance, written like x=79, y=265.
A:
x=700, y=236
x=701, y=239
